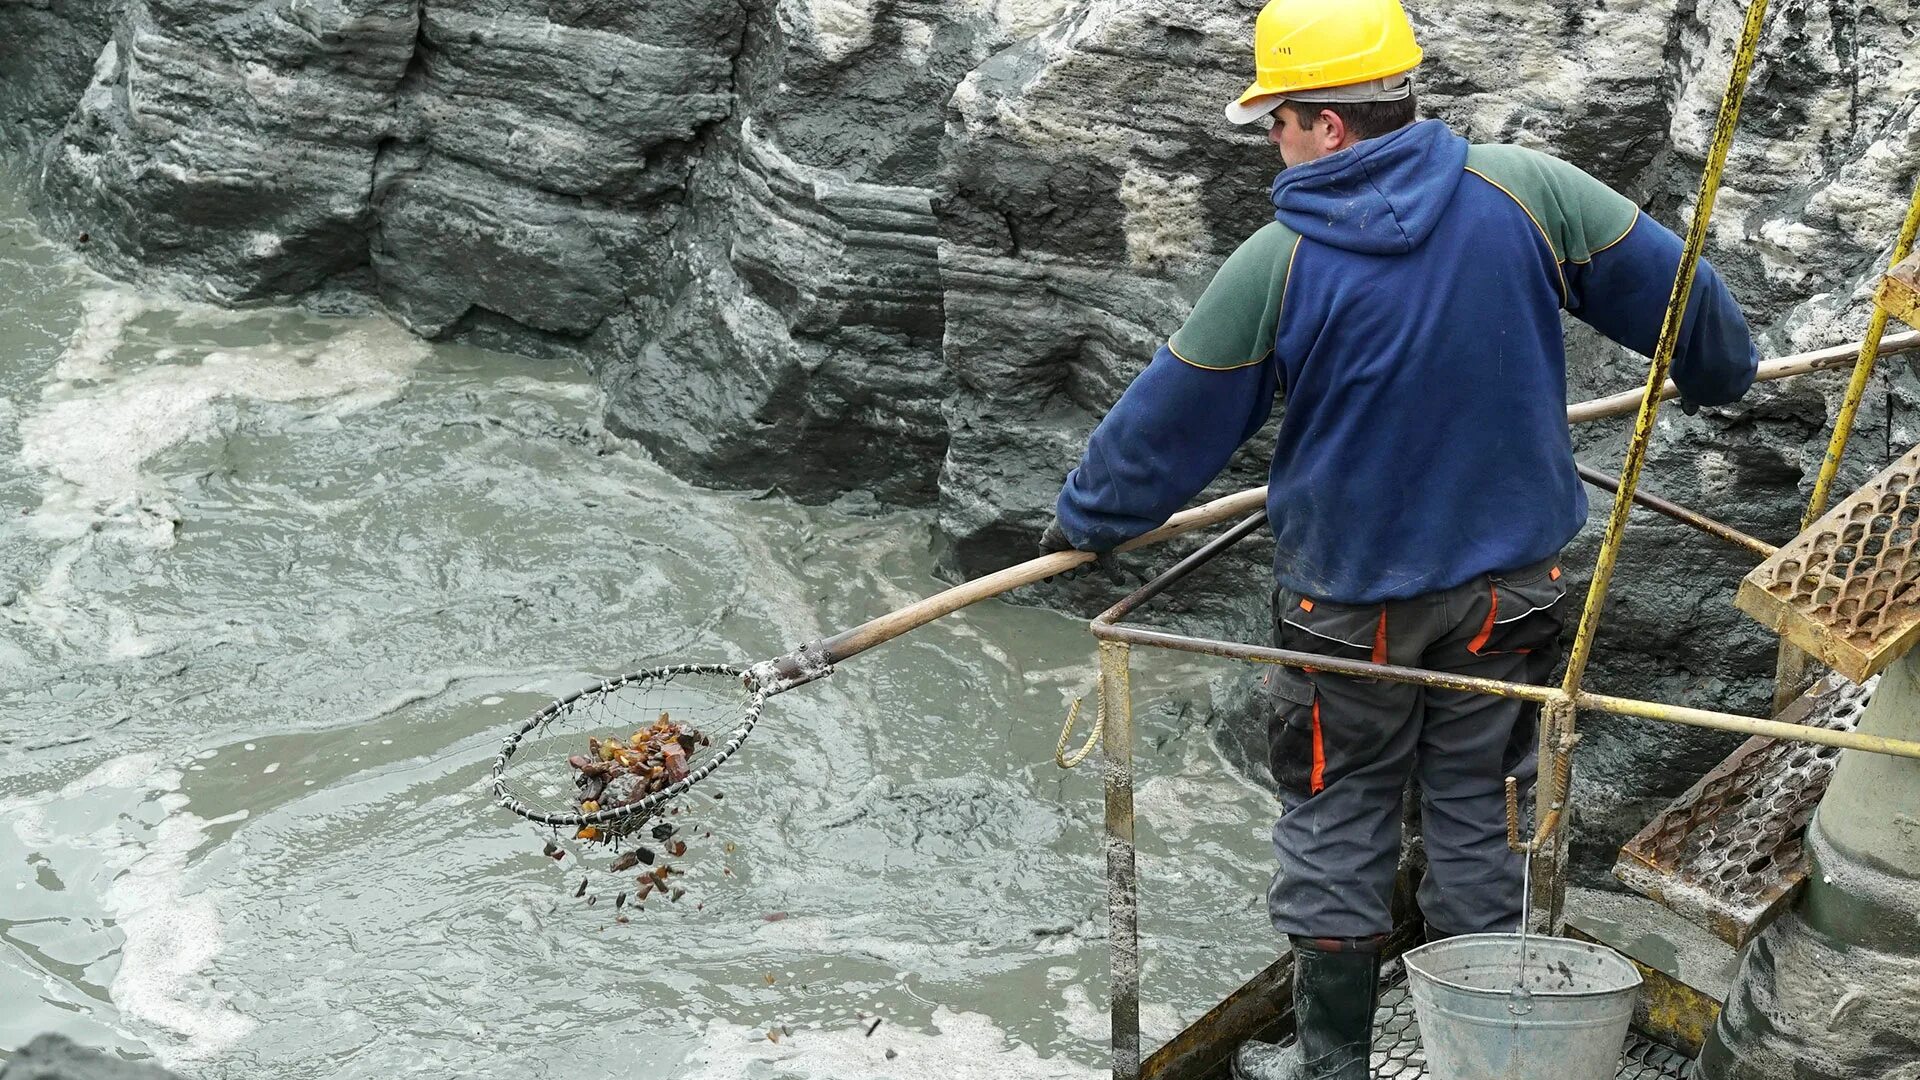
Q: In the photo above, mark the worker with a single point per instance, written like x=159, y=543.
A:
x=1405, y=299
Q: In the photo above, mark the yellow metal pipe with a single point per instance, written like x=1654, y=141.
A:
x=1749, y=725
x=1862, y=370
x=1663, y=350
x=1545, y=695
x=1791, y=668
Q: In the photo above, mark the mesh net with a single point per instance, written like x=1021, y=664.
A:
x=609, y=758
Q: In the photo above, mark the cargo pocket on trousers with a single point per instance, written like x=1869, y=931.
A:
x=1347, y=631
x=1525, y=615
x=1293, y=734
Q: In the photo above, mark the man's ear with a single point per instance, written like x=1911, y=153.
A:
x=1335, y=135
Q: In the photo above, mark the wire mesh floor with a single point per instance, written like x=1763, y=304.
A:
x=1397, y=1054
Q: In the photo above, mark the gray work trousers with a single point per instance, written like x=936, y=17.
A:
x=1343, y=749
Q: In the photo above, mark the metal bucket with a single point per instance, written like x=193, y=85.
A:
x=1475, y=1027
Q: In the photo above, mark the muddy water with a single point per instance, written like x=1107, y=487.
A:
x=270, y=587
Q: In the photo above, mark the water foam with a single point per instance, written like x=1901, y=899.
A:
x=966, y=1046
x=168, y=934
x=100, y=421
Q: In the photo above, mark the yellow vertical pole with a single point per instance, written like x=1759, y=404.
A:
x=1791, y=675
x=1557, y=728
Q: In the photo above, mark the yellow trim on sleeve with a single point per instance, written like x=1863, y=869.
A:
x=1280, y=309
x=1557, y=268
x=1610, y=243
x=1209, y=367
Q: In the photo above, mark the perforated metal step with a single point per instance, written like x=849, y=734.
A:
x=1847, y=590
x=1727, y=854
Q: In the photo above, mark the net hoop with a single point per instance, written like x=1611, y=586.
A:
x=756, y=697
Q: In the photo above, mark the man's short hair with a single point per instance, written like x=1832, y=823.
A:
x=1364, y=119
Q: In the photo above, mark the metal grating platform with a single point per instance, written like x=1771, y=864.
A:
x=1397, y=1054
x=1847, y=590
x=1900, y=291
x=1727, y=854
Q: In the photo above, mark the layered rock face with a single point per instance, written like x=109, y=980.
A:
x=917, y=248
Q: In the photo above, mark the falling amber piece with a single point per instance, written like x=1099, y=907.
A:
x=587, y=832
x=589, y=806
x=769, y=977
x=677, y=848
x=773, y=1036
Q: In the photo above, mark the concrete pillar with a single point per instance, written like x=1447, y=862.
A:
x=1865, y=838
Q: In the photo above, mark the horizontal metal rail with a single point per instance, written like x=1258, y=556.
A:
x=1680, y=513
x=1445, y=680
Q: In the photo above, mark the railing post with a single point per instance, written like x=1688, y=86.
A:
x=1123, y=909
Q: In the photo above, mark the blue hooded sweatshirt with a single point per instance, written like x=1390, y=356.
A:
x=1406, y=300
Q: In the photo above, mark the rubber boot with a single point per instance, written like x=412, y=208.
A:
x=1336, y=989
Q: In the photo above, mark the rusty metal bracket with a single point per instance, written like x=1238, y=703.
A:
x=1900, y=291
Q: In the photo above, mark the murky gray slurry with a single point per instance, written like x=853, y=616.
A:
x=272, y=587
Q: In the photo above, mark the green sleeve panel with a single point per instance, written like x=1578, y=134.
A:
x=1579, y=215
x=1235, y=321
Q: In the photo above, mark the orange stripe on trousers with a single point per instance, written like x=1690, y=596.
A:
x=1319, y=779
x=1486, y=629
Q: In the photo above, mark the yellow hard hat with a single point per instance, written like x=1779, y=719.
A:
x=1328, y=50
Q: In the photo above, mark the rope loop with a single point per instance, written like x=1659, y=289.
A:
x=1060, y=755
x=1115, y=679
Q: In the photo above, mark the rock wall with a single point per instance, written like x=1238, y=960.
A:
x=918, y=247
x=56, y=1057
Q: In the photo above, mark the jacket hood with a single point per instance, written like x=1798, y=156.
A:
x=1380, y=196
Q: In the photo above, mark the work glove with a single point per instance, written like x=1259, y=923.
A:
x=1052, y=539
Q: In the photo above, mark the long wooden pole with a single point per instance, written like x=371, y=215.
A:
x=851, y=643
x=891, y=625
x=1838, y=356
